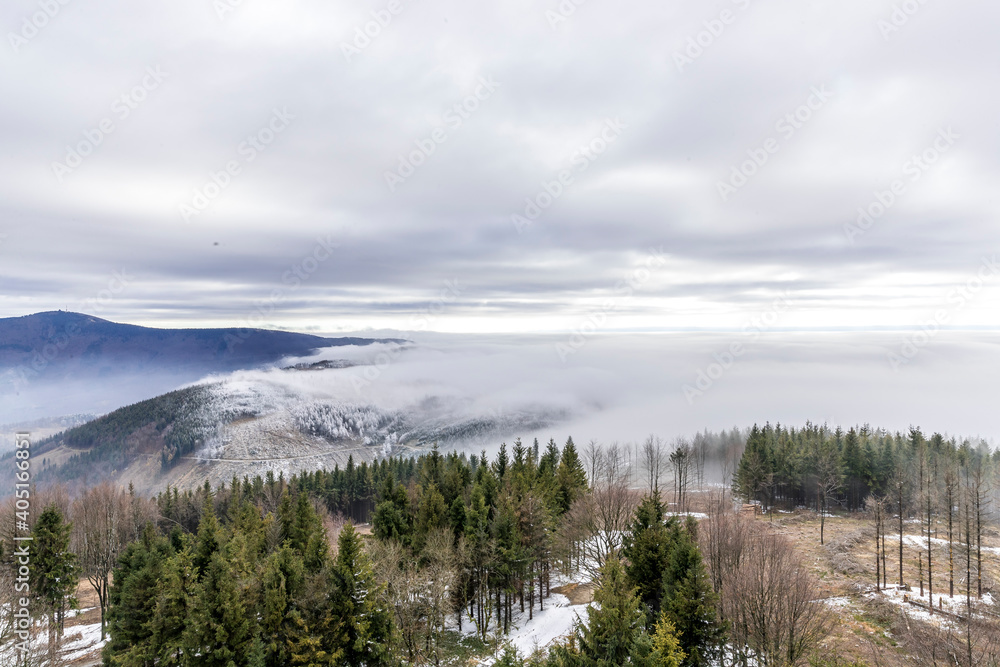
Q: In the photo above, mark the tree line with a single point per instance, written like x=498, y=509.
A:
x=271, y=571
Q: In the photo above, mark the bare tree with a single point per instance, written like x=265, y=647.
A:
x=419, y=596
x=102, y=525
x=929, y=498
x=950, y=489
x=593, y=454
x=723, y=541
x=829, y=479
x=901, y=487
x=766, y=594
x=437, y=577
x=652, y=461
x=877, y=511
x=601, y=517
x=680, y=463
x=980, y=497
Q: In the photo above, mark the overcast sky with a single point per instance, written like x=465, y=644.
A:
x=332, y=217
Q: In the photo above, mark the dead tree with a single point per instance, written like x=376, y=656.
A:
x=652, y=459
x=766, y=594
x=102, y=527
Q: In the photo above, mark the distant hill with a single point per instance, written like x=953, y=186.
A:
x=59, y=363
x=58, y=341
x=254, y=422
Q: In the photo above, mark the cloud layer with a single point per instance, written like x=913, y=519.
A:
x=331, y=167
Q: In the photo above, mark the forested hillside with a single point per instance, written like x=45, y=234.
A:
x=440, y=559
x=936, y=479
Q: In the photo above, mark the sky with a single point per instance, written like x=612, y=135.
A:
x=509, y=167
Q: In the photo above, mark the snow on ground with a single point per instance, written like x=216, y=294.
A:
x=78, y=641
x=954, y=605
x=898, y=597
x=81, y=640
x=554, y=622
x=838, y=603
x=921, y=542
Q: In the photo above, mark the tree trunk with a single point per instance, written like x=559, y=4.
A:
x=878, y=571
x=979, y=536
x=900, y=507
x=951, y=551
x=930, y=558
x=822, y=519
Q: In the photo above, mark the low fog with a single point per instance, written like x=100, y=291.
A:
x=623, y=387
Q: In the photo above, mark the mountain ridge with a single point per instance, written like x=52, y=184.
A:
x=61, y=362
x=44, y=343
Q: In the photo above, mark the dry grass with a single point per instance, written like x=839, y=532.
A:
x=871, y=628
x=577, y=593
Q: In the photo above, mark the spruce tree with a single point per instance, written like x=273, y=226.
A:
x=281, y=623
x=209, y=537
x=570, y=477
x=755, y=472
x=133, y=600
x=359, y=623
x=391, y=520
x=647, y=550
x=689, y=603
x=667, y=650
x=509, y=658
x=174, y=606
x=219, y=630
x=614, y=631
x=54, y=574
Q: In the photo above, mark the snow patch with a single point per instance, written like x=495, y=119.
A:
x=554, y=622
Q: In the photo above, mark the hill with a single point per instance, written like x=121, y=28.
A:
x=280, y=420
x=51, y=362
x=58, y=343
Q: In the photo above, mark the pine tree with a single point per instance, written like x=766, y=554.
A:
x=209, y=537
x=361, y=626
x=174, y=606
x=53, y=576
x=614, y=627
x=689, y=603
x=219, y=631
x=647, y=549
x=391, y=520
x=509, y=658
x=570, y=476
x=667, y=650
x=133, y=600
